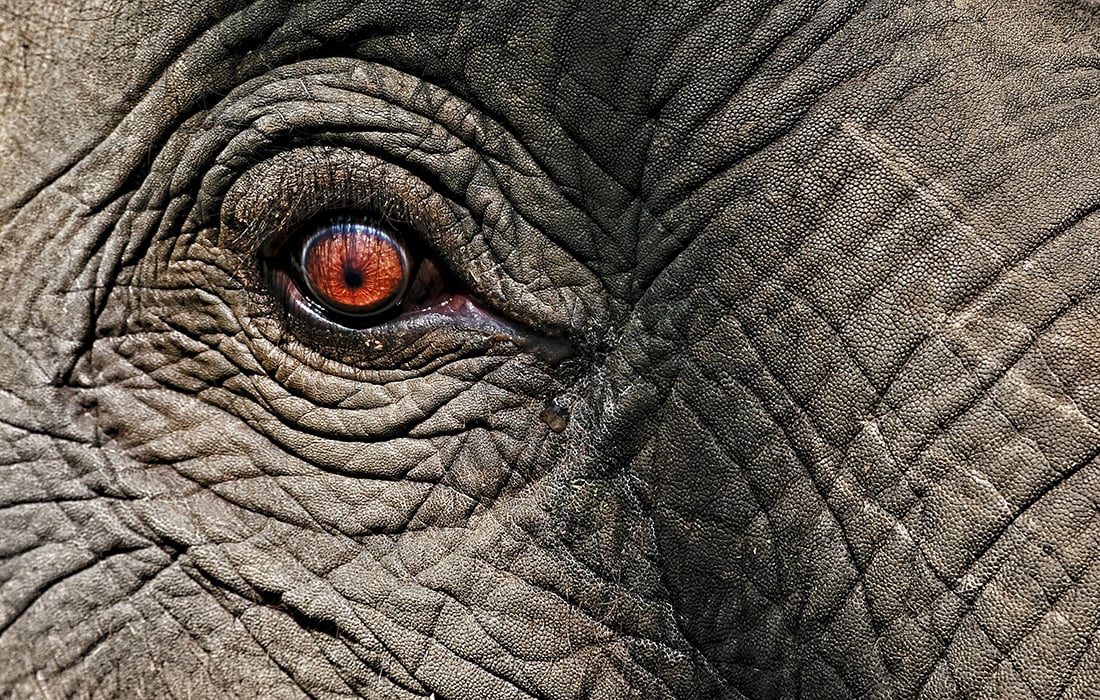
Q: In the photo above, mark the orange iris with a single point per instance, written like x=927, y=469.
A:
x=355, y=268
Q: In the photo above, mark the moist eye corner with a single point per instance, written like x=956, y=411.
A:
x=555, y=416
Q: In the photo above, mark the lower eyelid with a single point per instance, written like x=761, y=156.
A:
x=458, y=314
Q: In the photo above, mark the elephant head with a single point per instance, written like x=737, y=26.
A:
x=559, y=350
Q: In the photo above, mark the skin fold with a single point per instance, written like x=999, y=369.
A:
x=779, y=378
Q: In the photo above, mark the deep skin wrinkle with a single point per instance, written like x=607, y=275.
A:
x=773, y=376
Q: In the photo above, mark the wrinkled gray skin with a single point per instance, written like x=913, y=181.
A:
x=811, y=288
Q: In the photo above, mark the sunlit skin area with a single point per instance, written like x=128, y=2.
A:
x=583, y=350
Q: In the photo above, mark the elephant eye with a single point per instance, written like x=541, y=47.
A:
x=354, y=267
x=357, y=259
x=357, y=271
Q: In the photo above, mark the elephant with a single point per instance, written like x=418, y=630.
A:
x=457, y=350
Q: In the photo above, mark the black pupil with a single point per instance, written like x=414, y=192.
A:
x=353, y=278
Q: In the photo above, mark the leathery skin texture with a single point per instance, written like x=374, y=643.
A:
x=768, y=364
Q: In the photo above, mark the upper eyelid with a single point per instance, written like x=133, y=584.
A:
x=277, y=197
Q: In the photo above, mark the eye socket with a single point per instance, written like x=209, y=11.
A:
x=318, y=230
x=354, y=267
